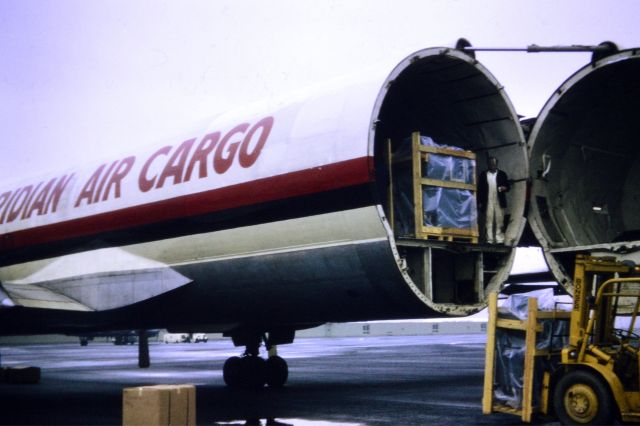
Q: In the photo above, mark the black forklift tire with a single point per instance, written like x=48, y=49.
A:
x=582, y=398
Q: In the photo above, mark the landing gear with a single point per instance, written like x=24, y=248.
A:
x=246, y=372
x=277, y=371
x=250, y=371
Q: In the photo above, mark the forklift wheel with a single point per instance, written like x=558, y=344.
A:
x=582, y=398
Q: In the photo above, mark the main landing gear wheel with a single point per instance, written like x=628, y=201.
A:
x=232, y=372
x=277, y=372
x=250, y=371
x=583, y=398
x=253, y=372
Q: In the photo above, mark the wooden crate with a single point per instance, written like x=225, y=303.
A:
x=530, y=327
x=420, y=155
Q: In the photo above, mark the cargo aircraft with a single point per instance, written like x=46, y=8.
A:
x=312, y=209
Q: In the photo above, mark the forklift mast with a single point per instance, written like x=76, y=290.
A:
x=590, y=273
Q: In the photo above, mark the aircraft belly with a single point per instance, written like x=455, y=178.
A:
x=332, y=267
x=345, y=282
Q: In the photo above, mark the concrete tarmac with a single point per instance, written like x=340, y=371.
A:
x=405, y=380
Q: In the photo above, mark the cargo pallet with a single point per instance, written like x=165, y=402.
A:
x=447, y=234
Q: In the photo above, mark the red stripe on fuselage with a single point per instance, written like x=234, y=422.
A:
x=304, y=182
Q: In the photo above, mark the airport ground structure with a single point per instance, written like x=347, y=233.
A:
x=351, y=329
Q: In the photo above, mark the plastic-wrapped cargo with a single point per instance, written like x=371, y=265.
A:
x=516, y=305
x=511, y=348
x=449, y=207
x=442, y=207
x=447, y=167
x=403, y=202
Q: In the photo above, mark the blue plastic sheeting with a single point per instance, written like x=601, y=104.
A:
x=442, y=207
x=510, y=353
x=403, y=202
x=511, y=347
x=447, y=167
x=428, y=141
x=449, y=207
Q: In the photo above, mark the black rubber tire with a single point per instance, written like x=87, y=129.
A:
x=277, y=372
x=232, y=372
x=583, y=398
x=253, y=372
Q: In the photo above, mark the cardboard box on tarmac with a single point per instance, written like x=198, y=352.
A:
x=20, y=375
x=160, y=405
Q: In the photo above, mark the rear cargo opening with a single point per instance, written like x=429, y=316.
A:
x=442, y=112
x=585, y=165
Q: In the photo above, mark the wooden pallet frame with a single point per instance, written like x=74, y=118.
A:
x=420, y=155
x=531, y=326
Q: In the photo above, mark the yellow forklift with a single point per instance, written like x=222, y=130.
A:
x=591, y=377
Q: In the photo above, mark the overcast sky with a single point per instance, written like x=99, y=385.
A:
x=84, y=79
